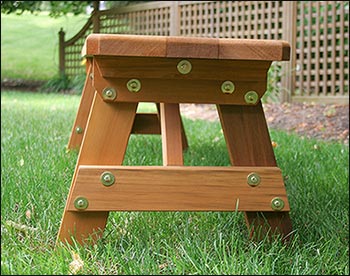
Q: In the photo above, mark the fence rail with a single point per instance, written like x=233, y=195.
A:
x=318, y=32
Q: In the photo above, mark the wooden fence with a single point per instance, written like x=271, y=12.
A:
x=318, y=32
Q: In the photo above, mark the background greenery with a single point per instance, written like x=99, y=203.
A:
x=36, y=172
x=29, y=44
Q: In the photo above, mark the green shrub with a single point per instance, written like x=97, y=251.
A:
x=64, y=84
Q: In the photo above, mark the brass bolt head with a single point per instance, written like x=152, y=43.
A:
x=184, y=67
x=81, y=203
x=277, y=204
x=227, y=87
x=79, y=129
x=253, y=179
x=107, y=178
x=134, y=85
x=109, y=94
x=251, y=97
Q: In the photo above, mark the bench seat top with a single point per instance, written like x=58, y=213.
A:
x=185, y=47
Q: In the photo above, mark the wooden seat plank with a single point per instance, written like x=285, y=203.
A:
x=194, y=47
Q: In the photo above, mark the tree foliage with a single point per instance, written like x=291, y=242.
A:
x=56, y=8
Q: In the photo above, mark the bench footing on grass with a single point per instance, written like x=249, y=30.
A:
x=124, y=70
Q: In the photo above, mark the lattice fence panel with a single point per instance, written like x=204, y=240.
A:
x=322, y=51
x=146, y=22
x=320, y=46
x=232, y=19
x=74, y=65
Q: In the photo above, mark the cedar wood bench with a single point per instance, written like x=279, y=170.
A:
x=124, y=70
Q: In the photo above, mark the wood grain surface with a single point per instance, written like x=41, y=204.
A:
x=182, y=188
x=194, y=47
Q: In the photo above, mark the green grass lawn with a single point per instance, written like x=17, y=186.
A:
x=29, y=44
x=36, y=172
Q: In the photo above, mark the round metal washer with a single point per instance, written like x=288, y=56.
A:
x=184, y=66
x=81, y=203
x=277, y=204
x=107, y=178
x=134, y=85
x=251, y=97
x=227, y=87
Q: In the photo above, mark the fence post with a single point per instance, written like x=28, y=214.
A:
x=174, y=18
x=96, y=17
x=61, y=62
x=289, y=34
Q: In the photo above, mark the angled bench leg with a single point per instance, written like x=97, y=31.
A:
x=249, y=144
x=103, y=144
x=79, y=125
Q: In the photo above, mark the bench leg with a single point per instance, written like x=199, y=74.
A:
x=172, y=134
x=249, y=144
x=79, y=125
x=103, y=143
x=176, y=110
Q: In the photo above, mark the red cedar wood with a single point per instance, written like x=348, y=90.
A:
x=179, y=188
x=248, y=142
x=83, y=111
x=176, y=46
x=248, y=120
x=170, y=122
x=102, y=144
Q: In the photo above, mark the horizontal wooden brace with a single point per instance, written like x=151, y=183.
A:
x=180, y=91
x=178, y=188
x=146, y=123
x=166, y=68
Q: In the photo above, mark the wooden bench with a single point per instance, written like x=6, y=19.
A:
x=124, y=70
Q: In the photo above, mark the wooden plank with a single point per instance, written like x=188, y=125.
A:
x=317, y=50
x=171, y=127
x=324, y=49
x=333, y=52
x=246, y=135
x=166, y=68
x=146, y=123
x=308, y=45
x=342, y=50
x=81, y=118
x=184, y=91
x=183, y=133
x=125, y=45
x=254, y=49
x=249, y=144
x=194, y=47
x=105, y=140
x=179, y=188
x=322, y=99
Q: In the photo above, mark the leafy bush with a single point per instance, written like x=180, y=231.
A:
x=273, y=90
x=64, y=84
